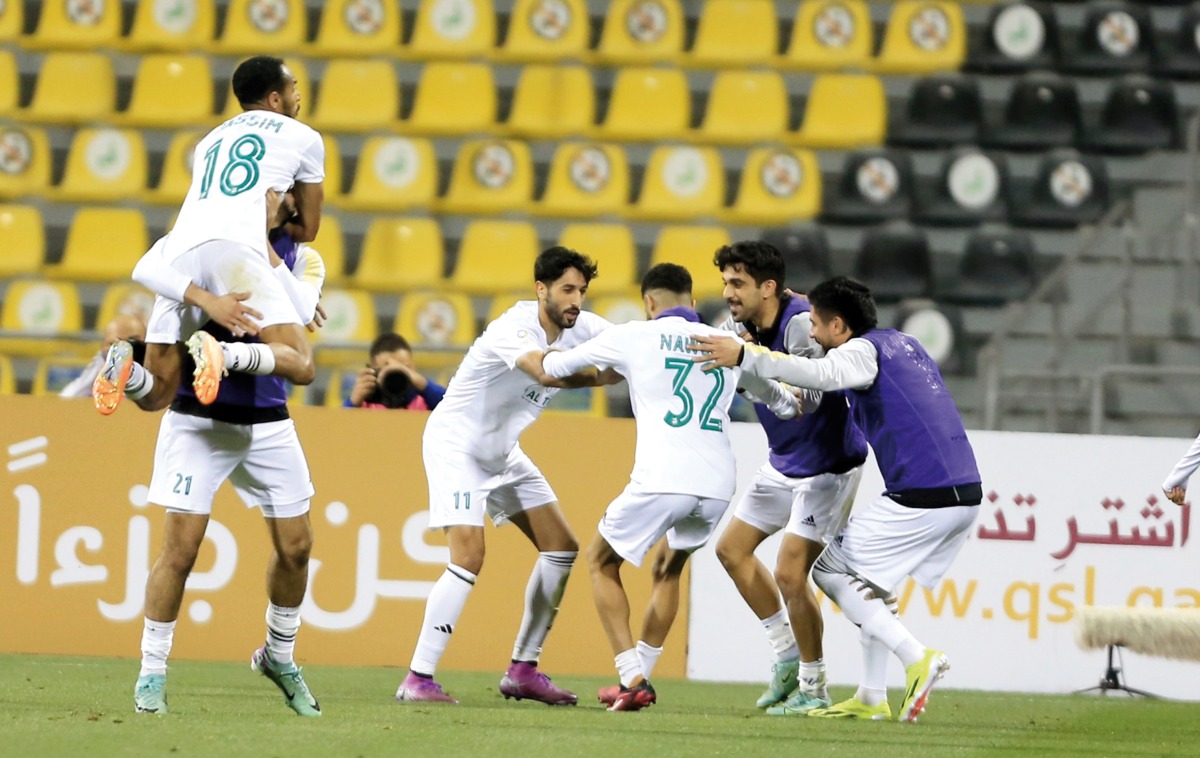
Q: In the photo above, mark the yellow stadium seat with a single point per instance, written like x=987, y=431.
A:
x=490, y=176
x=394, y=173
x=298, y=69
x=24, y=161
x=505, y=300
x=735, y=33
x=495, y=256
x=641, y=31
x=12, y=21
x=333, y=171
x=452, y=29
x=350, y=326
x=617, y=309
x=778, y=186
x=745, y=107
x=436, y=320
x=843, y=111
x=331, y=245
x=104, y=165
x=54, y=373
x=830, y=35
x=38, y=311
x=923, y=36
x=681, y=183
x=124, y=300
x=76, y=25
x=103, y=244
x=74, y=88
x=357, y=28
x=612, y=247
x=454, y=98
x=180, y=25
x=586, y=180
x=10, y=84
x=693, y=248
x=341, y=381
x=8, y=377
x=255, y=27
x=401, y=254
x=552, y=102
x=539, y=30
x=648, y=104
x=171, y=91
x=357, y=96
x=176, y=177
x=24, y=240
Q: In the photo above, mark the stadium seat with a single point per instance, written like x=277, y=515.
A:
x=617, y=309
x=1116, y=37
x=586, y=180
x=995, y=268
x=38, y=311
x=1018, y=36
x=357, y=96
x=943, y=110
x=103, y=245
x=894, y=261
x=875, y=186
x=74, y=88
x=333, y=171
x=681, y=183
x=253, y=27
x=843, y=111
x=547, y=31
x=401, y=254
x=970, y=189
x=79, y=26
x=331, y=245
x=500, y=303
x=1139, y=115
x=641, y=32
x=298, y=69
x=552, y=102
x=1042, y=111
x=176, y=176
x=393, y=173
x=1178, y=55
x=778, y=185
x=923, y=36
x=830, y=35
x=735, y=33
x=24, y=161
x=1070, y=189
x=104, y=165
x=495, y=256
x=8, y=377
x=12, y=21
x=489, y=176
x=805, y=251
x=612, y=247
x=170, y=91
x=452, y=29
x=24, y=240
x=54, y=373
x=648, y=104
x=454, y=99
x=172, y=26
x=124, y=300
x=745, y=107
x=10, y=85
x=693, y=247
x=436, y=320
x=340, y=384
x=356, y=28
x=350, y=325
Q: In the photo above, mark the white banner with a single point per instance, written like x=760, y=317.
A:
x=1067, y=521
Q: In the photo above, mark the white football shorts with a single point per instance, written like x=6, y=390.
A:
x=461, y=491
x=636, y=520
x=221, y=267
x=814, y=508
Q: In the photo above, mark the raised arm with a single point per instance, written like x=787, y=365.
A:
x=1175, y=484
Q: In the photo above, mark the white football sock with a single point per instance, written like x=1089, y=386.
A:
x=629, y=668
x=648, y=655
x=542, y=596
x=812, y=678
x=779, y=634
x=248, y=358
x=282, y=625
x=156, y=645
x=445, y=605
x=140, y=383
x=875, y=655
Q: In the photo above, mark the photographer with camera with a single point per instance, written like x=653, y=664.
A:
x=391, y=379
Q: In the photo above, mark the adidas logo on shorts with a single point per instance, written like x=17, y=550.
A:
x=810, y=521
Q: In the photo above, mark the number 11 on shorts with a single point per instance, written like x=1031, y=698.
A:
x=463, y=499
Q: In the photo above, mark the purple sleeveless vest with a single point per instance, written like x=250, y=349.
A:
x=910, y=419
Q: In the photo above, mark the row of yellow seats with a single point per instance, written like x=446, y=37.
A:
x=551, y=102
x=921, y=35
x=586, y=180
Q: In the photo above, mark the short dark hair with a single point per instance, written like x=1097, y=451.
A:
x=668, y=276
x=554, y=262
x=761, y=260
x=389, y=342
x=845, y=297
x=257, y=77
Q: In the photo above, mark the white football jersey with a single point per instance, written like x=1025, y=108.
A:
x=490, y=401
x=232, y=169
x=682, y=411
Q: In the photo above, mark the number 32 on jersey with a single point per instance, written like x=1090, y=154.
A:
x=682, y=367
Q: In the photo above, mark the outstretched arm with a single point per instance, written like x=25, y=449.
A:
x=1175, y=484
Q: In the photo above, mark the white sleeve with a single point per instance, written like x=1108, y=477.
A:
x=510, y=340
x=797, y=337
x=160, y=277
x=312, y=162
x=303, y=295
x=770, y=393
x=854, y=365
x=309, y=266
x=604, y=351
x=1185, y=468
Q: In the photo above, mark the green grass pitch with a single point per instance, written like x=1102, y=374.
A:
x=53, y=706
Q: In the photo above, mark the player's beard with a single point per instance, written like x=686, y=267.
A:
x=564, y=319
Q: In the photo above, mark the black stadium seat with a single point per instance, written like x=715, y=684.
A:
x=894, y=261
x=875, y=186
x=1018, y=36
x=1042, y=111
x=805, y=252
x=1178, y=54
x=1139, y=115
x=1116, y=37
x=1070, y=189
x=942, y=110
x=970, y=189
x=996, y=267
